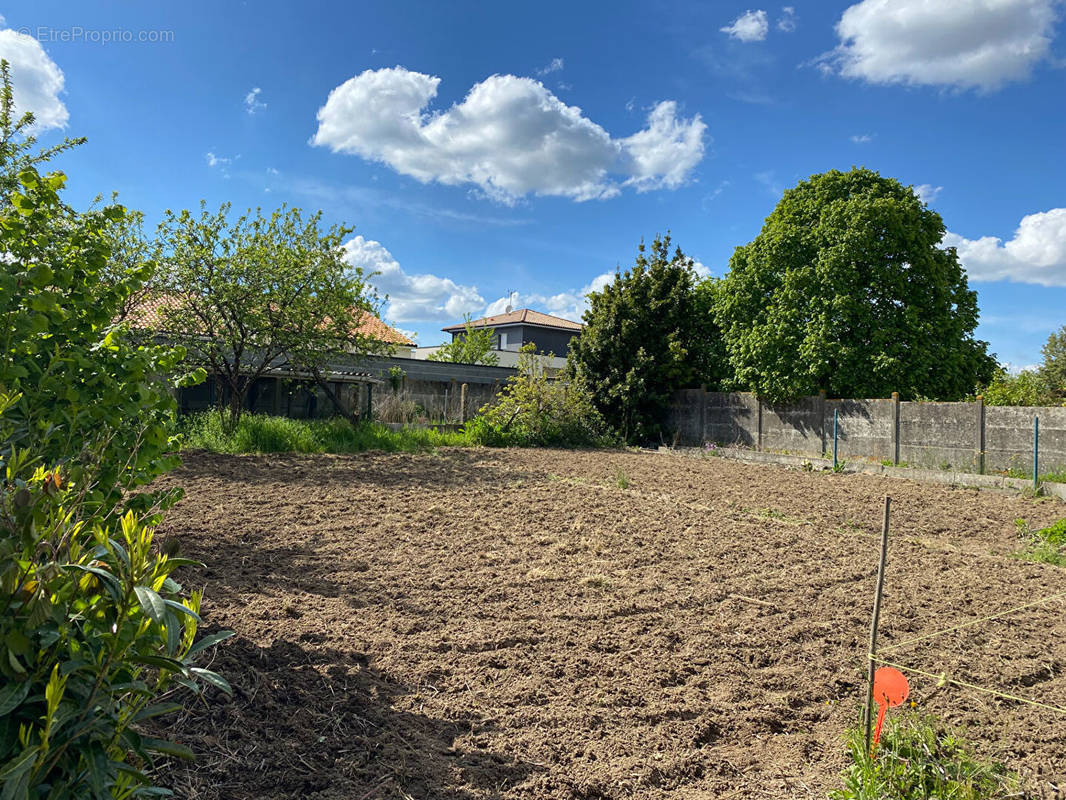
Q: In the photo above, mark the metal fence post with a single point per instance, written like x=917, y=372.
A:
x=1036, y=453
x=980, y=434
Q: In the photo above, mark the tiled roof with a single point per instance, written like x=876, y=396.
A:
x=148, y=314
x=525, y=316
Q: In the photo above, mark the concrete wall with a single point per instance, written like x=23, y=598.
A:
x=961, y=436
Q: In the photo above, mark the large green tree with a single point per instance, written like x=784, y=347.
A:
x=258, y=293
x=646, y=335
x=846, y=289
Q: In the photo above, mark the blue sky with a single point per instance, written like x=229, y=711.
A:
x=481, y=148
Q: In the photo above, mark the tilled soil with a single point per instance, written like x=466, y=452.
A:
x=516, y=624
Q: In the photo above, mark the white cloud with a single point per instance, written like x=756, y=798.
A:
x=862, y=138
x=787, y=21
x=927, y=193
x=412, y=298
x=509, y=136
x=36, y=80
x=664, y=153
x=751, y=26
x=252, y=103
x=216, y=161
x=570, y=304
x=556, y=65
x=961, y=43
x=1035, y=254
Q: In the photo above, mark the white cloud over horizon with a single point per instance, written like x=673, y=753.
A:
x=509, y=136
x=36, y=80
x=751, y=26
x=1035, y=254
x=965, y=44
x=412, y=298
x=927, y=193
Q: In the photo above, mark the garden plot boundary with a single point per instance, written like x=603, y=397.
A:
x=959, y=437
x=948, y=477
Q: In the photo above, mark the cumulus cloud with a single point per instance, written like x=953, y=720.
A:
x=1035, y=254
x=252, y=103
x=412, y=298
x=787, y=21
x=751, y=26
x=965, y=44
x=509, y=136
x=862, y=138
x=35, y=78
x=571, y=304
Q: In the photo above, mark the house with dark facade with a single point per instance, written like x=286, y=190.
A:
x=513, y=329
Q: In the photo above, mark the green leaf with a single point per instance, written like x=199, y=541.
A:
x=157, y=710
x=182, y=609
x=168, y=748
x=152, y=603
x=210, y=641
x=19, y=764
x=12, y=695
x=212, y=678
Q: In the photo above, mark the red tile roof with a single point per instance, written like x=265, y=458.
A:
x=525, y=316
x=148, y=314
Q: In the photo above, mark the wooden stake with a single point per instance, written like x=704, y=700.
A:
x=873, y=625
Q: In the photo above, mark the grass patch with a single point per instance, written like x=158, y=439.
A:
x=258, y=433
x=1054, y=476
x=1047, y=545
x=919, y=758
x=621, y=480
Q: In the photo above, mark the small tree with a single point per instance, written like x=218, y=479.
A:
x=472, y=346
x=846, y=289
x=261, y=293
x=646, y=335
x=1053, y=370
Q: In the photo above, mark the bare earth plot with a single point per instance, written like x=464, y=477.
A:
x=513, y=624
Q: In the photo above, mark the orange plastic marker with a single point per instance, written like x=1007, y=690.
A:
x=890, y=690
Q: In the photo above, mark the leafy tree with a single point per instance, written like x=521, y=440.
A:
x=534, y=410
x=646, y=335
x=472, y=346
x=258, y=293
x=1053, y=370
x=93, y=630
x=846, y=289
x=1027, y=388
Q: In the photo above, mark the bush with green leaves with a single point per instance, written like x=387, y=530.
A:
x=94, y=635
x=94, y=632
x=1027, y=388
x=535, y=410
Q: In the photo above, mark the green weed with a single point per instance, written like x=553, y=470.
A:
x=1047, y=545
x=919, y=758
x=257, y=433
x=621, y=480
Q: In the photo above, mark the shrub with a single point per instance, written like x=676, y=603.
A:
x=93, y=630
x=92, y=627
x=533, y=410
x=918, y=757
